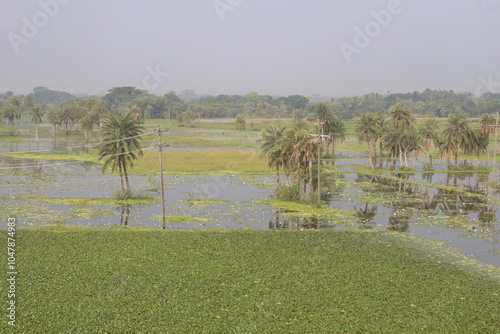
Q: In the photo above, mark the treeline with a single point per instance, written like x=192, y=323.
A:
x=66, y=110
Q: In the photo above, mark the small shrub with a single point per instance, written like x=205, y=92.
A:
x=290, y=193
x=123, y=195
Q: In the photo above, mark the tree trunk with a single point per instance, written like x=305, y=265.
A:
x=36, y=132
x=126, y=175
x=310, y=176
x=277, y=180
x=298, y=179
x=121, y=178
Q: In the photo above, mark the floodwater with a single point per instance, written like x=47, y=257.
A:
x=459, y=209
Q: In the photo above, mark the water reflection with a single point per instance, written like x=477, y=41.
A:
x=399, y=221
x=365, y=215
x=124, y=213
x=293, y=222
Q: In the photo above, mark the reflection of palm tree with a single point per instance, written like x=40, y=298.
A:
x=399, y=222
x=365, y=215
x=487, y=214
x=124, y=214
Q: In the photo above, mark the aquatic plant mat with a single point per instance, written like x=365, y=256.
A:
x=133, y=280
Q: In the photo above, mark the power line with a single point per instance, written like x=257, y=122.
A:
x=80, y=146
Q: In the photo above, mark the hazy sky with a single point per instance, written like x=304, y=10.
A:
x=276, y=47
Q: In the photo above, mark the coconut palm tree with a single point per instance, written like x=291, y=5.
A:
x=272, y=147
x=97, y=108
x=37, y=119
x=456, y=132
x=120, y=145
x=240, y=122
x=428, y=131
x=28, y=103
x=86, y=124
x=323, y=113
x=12, y=111
x=335, y=128
x=474, y=142
x=137, y=112
x=487, y=127
x=446, y=150
x=368, y=129
x=401, y=117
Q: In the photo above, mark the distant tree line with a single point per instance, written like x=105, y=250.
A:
x=65, y=111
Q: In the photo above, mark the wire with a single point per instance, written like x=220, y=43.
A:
x=69, y=148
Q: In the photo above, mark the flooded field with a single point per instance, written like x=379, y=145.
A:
x=457, y=208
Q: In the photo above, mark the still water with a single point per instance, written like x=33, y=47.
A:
x=456, y=208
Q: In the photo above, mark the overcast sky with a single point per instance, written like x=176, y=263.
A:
x=276, y=47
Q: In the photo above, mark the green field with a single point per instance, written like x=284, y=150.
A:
x=139, y=281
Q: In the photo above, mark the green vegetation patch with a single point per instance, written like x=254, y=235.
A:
x=121, y=281
x=204, y=162
x=203, y=201
x=63, y=155
x=179, y=219
x=301, y=209
x=81, y=201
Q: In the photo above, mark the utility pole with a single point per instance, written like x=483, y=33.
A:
x=320, y=133
x=320, y=142
x=159, y=145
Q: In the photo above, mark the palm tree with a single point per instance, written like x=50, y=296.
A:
x=428, y=131
x=303, y=149
x=97, y=108
x=402, y=124
x=37, y=119
x=474, y=142
x=28, y=103
x=137, y=112
x=55, y=118
x=272, y=148
x=336, y=130
x=323, y=113
x=13, y=111
x=240, y=122
x=487, y=127
x=456, y=131
x=401, y=117
x=446, y=150
x=120, y=145
x=369, y=130
x=86, y=124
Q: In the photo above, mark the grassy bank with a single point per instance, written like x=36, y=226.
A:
x=115, y=281
x=204, y=162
